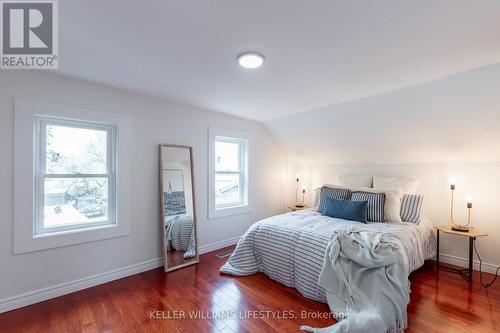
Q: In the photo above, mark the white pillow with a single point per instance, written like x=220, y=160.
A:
x=392, y=207
x=407, y=186
x=355, y=181
x=317, y=192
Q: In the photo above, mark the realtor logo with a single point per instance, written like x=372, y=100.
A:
x=29, y=34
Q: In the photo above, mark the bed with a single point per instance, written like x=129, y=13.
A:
x=180, y=235
x=290, y=248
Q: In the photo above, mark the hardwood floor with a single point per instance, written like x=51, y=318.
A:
x=176, y=258
x=440, y=302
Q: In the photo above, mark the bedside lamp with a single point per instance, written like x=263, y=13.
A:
x=469, y=207
x=464, y=227
x=303, y=197
x=452, y=188
x=297, y=204
x=460, y=227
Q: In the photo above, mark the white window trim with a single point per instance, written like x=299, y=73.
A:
x=246, y=207
x=25, y=240
x=41, y=175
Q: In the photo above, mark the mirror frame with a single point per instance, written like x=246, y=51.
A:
x=162, y=211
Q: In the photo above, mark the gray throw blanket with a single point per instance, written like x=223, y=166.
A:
x=365, y=276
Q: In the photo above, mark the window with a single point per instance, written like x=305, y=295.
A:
x=72, y=177
x=75, y=175
x=229, y=172
x=230, y=176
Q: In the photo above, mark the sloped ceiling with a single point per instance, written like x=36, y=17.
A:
x=454, y=119
x=318, y=53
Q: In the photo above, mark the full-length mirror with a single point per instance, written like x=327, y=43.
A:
x=178, y=218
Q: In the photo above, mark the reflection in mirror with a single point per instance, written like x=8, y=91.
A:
x=177, y=207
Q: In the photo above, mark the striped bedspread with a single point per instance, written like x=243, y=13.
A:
x=181, y=235
x=290, y=248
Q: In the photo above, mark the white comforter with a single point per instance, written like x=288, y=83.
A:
x=290, y=248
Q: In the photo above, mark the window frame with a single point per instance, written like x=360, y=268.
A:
x=244, y=139
x=41, y=123
x=25, y=113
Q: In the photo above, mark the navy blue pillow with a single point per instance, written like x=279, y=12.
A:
x=346, y=209
x=332, y=193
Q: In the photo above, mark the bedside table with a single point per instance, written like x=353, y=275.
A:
x=294, y=208
x=472, y=234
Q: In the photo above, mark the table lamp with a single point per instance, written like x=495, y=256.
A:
x=460, y=227
x=297, y=204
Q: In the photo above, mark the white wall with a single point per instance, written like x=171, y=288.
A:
x=453, y=119
x=153, y=121
x=445, y=128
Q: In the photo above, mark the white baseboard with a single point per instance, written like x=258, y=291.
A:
x=18, y=301
x=40, y=295
x=462, y=262
x=218, y=245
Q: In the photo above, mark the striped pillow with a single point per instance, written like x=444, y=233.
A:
x=375, y=207
x=411, y=207
x=332, y=193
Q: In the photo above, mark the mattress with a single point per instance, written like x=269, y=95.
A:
x=290, y=248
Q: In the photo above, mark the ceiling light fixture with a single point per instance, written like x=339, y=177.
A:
x=250, y=60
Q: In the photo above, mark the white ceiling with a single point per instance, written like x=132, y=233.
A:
x=317, y=53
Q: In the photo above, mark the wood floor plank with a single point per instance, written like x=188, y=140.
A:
x=441, y=301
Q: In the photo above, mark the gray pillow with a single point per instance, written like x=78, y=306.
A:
x=375, y=207
x=412, y=207
x=332, y=193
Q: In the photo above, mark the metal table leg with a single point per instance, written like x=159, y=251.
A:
x=471, y=255
x=437, y=250
x=465, y=272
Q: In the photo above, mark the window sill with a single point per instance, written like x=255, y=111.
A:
x=70, y=237
x=76, y=230
x=229, y=211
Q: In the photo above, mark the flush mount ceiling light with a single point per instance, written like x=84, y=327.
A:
x=250, y=60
